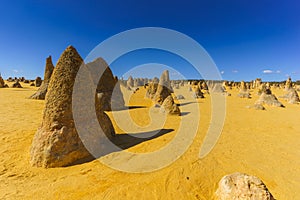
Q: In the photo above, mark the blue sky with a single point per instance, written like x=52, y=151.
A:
x=246, y=39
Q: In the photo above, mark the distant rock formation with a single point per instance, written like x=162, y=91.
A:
x=163, y=89
x=244, y=92
x=57, y=143
x=42, y=91
x=268, y=98
x=38, y=81
x=197, y=93
x=130, y=83
x=288, y=84
x=2, y=83
x=257, y=82
x=292, y=96
x=17, y=84
x=217, y=88
x=151, y=90
x=242, y=186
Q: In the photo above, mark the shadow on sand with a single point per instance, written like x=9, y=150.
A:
x=125, y=141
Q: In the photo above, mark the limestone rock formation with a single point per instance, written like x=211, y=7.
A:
x=41, y=93
x=203, y=85
x=164, y=88
x=197, y=93
x=169, y=106
x=151, y=90
x=57, y=143
x=244, y=93
x=108, y=87
x=2, y=83
x=180, y=97
x=130, y=83
x=17, y=84
x=257, y=106
x=38, y=81
x=268, y=98
x=292, y=96
x=257, y=82
x=242, y=186
x=288, y=84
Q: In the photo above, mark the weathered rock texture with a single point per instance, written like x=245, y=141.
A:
x=151, y=90
x=17, y=84
x=164, y=88
x=57, y=143
x=41, y=93
x=130, y=83
x=288, y=84
x=38, y=81
x=197, y=93
x=242, y=186
x=169, y=106
x=268, y=98
x=2, y=83
x=244, y=93
x=108, y=87
x=292, y=96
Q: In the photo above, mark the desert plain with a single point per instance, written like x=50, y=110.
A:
x=263, y=143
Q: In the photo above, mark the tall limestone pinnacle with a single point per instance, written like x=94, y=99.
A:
x=163, y=88
x=57, y=143
x=41, y=92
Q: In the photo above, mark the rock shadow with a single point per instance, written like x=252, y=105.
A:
x=124, y=141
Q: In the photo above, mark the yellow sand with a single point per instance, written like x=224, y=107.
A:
x=261, y=143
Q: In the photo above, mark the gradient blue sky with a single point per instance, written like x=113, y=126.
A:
x=245, y=38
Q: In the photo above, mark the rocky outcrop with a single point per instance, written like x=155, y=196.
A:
x=292, y=96
x=151, y=90
x=242, y=186
x=268, y=98
x=130, y=83
x=38, y=81
x=2, y=83
x=196, y=91
x=244, y=93
x=57, y=143
x=169, y=106
x=108, y=87
x=17, y=84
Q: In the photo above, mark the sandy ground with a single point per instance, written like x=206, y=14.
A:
x=261, y=143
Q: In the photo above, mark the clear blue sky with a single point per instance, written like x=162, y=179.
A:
x=245, y=38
